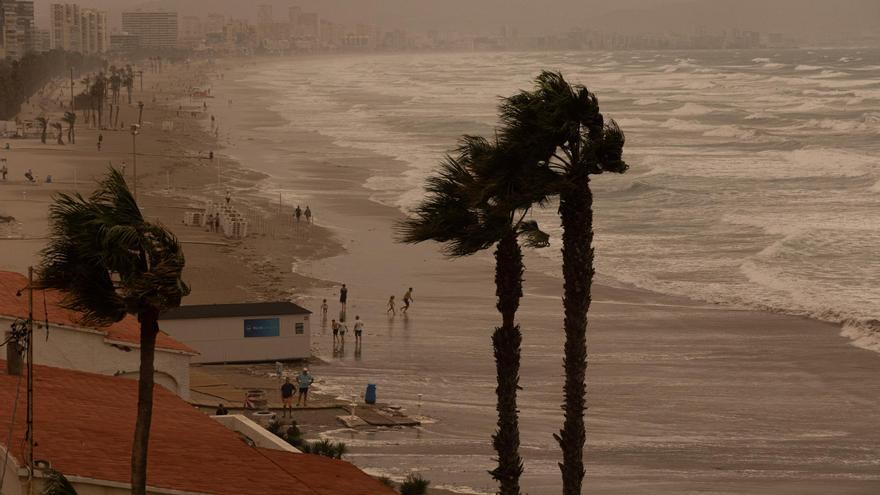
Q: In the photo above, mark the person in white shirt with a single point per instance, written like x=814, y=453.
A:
x=358, y=329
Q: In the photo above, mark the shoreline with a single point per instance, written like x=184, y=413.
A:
x=717, y=387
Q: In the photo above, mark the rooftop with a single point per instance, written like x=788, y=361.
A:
x=84, y=425
x=234, y=310
x=47, y=306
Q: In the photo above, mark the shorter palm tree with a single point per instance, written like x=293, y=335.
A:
x=59, y=131
x=44, y=127
x=480, y=198
x=70, y=119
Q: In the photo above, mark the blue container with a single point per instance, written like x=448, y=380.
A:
x=370, y=394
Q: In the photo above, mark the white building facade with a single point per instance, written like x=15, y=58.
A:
x=228, y=333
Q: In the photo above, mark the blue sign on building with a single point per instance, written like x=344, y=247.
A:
x=267, y=327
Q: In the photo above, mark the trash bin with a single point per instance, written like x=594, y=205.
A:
x=370, y=394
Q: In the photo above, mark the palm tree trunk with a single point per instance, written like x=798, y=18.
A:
x=576, y=211
x=149, y=331
x=506, y=342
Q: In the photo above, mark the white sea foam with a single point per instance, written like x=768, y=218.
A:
x=805, y=67
x=761, y=60
x=863, y=333
x=691, y=109
x=648, y=101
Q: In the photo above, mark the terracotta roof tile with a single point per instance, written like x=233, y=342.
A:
x=15, y=306
x=84, y=425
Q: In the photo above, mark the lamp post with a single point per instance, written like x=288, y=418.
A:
x=135, y=129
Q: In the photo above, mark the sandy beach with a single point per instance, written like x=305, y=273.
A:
x=685, y=397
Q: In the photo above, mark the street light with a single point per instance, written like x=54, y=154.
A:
x=135, y=129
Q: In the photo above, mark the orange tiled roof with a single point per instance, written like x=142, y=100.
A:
x=84, y=424
x=127, y=330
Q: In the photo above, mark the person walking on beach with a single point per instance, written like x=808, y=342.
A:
x=228, y=196
x=391, y=308
x=342, y=329
x=308, y=214
x=358, y=330
x=335, y=327
x=3, y=169
x=324, y=309
x=407, y=299
x=343, y=296
x=304, y=379
x=287, y=397
x=297, y=213
x=100, y=141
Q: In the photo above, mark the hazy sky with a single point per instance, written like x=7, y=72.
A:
x=530, y=16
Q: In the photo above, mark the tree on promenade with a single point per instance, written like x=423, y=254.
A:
x=70, y=119
x=44, y=128
x=478, y=199
x=561, y=126
x=109, y=262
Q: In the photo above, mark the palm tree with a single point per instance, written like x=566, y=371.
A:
x=109, y=261
x=477, y=200
x=566, y=135
x=56, y=483
x=44, y=126
x=70, y=119
x=59, y=131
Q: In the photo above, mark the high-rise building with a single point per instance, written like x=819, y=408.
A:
x=264, y=14
x=154, y=29
x=17, y=32
x=76, y=29
x=215, y=23
x=309, y=25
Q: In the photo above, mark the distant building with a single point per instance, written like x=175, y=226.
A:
x=124, y=42
x=309, y=25
x=191, y=31
x=84, y=423
x=241, y=332
x=153, y=29
x=111, y=350
x=215, y=23
x=17, y=31
x=76, y=29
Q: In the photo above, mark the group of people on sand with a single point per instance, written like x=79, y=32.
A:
x=299, y=213
x=407, y=300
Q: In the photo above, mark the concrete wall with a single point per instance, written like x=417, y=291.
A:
x=261, y=437
x=87, y=350
x=220, y=340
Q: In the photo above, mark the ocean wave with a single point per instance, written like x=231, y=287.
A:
x=761, y=60
x=805, y=67
x=691, y=109
x=773, y=65
x=643, y=102
x=864, y=334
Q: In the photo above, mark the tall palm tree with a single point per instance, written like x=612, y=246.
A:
x=70, y=119
x=44, y=127
x=109, y=261
x=562, y=128
x=478, y=200
x=59, y=131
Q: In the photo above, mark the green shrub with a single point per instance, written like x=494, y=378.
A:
x=414, y=484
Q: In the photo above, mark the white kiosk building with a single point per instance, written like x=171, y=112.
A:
x=228, y=333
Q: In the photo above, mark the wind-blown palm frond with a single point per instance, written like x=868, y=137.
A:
x=107, y=259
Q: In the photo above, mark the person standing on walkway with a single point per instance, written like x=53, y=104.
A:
x=391, y=308
x=287, y=397
x=308, y=214
x=407, y=299
x=304, y=379
x=221, y=410
x=324, y=309
x=343, y=296
x=358, y=330
x=297, y=213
